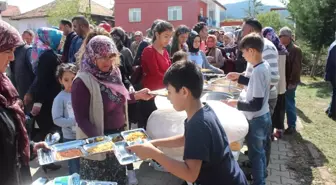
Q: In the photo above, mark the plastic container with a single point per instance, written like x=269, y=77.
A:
x=73, y=179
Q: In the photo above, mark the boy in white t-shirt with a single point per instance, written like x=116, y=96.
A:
x=255, y=105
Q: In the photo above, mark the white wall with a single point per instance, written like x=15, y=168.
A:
x=11, y=22
x=32, y=24
x=217, y=16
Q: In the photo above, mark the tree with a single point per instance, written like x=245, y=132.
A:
x=272, y=19
x=315, y=23
x=254, y=8
x=66, y=9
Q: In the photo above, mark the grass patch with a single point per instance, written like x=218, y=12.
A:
x=312, y=98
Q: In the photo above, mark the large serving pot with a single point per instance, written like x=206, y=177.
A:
x=166, y=122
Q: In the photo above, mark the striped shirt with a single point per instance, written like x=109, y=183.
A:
x=270, y=54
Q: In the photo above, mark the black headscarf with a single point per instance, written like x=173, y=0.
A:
x=119, y=36
x=193, y=34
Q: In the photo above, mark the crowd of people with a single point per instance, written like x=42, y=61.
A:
x=85, y=81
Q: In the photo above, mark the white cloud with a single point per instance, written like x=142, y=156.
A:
x=266, y=2
x=27, y=5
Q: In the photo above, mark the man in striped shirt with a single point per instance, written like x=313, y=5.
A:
x=270, y=55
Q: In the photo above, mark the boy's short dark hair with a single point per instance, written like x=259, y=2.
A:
x=252, y=41
x=179, y=55
x=255, y=24
x=66, y=22
x=185, y=74
x=81, y=20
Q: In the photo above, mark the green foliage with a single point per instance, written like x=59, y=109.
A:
x=315, y=21
x=315, y=25
x=273, y=19
x=254, y=8
x=67, y=9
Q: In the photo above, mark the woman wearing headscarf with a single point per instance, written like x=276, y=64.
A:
x=99, y=105
x=278, y=116
x=46, y=88
x=229, y=40
x=180, y=40
x=196, y=55
x=15, y=147
x=214, y=55
x=229, y=51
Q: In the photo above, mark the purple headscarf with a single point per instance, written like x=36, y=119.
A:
x=98, y=47
x=9, y=37
x=270, y=34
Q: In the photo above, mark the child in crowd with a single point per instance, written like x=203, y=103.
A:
x=179, y=55
x=254, y=104
x=62, y=111
x=207, y=155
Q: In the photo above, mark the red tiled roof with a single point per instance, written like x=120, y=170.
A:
x=11, y=11
x=96, y=9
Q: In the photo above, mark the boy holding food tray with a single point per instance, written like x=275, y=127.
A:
x=254, y=105
x=207, y=155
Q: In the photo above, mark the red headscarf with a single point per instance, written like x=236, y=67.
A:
x=9, y=37
x=9, y=97
x=106, y=26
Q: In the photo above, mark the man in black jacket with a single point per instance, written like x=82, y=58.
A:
x=66, y=27
x=22, y=74
x=331, y=77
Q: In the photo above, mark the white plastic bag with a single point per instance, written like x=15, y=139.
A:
x=166, y=123
x=234, y=122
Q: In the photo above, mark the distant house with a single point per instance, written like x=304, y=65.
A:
x=135, y=15
x=10, y=12
x=38, y=17
x=232, y=23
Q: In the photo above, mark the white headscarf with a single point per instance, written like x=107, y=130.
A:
x=232, y=39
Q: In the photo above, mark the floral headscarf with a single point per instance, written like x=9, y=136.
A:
x=98, y=47
x=270, y=34
x=231, y=36
x=9, y=37
x=9, y=97
x=46, y=39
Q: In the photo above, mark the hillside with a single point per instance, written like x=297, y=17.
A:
x=236, y=10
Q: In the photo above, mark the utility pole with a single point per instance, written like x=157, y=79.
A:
x=90, y=7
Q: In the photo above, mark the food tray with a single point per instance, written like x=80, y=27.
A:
x=45, y=156
x=67, y=154
x=68, y=145
x=100, y=147
x=99, y=183
x=137, y=140
x=82, y=182
x=161, y=92
x=123, y=155
x=96, y=139
x=204, y=70
x=115, y=137
x=52, y=156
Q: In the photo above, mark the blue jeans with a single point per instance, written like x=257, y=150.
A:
x=256, y=142
x=290, y=108
x=73, y=164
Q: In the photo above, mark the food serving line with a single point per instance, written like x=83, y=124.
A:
x=164, y=122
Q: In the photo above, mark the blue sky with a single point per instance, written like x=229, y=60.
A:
x=26, y=5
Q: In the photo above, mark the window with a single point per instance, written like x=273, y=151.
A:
x=175, y=13
x=134, y=15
